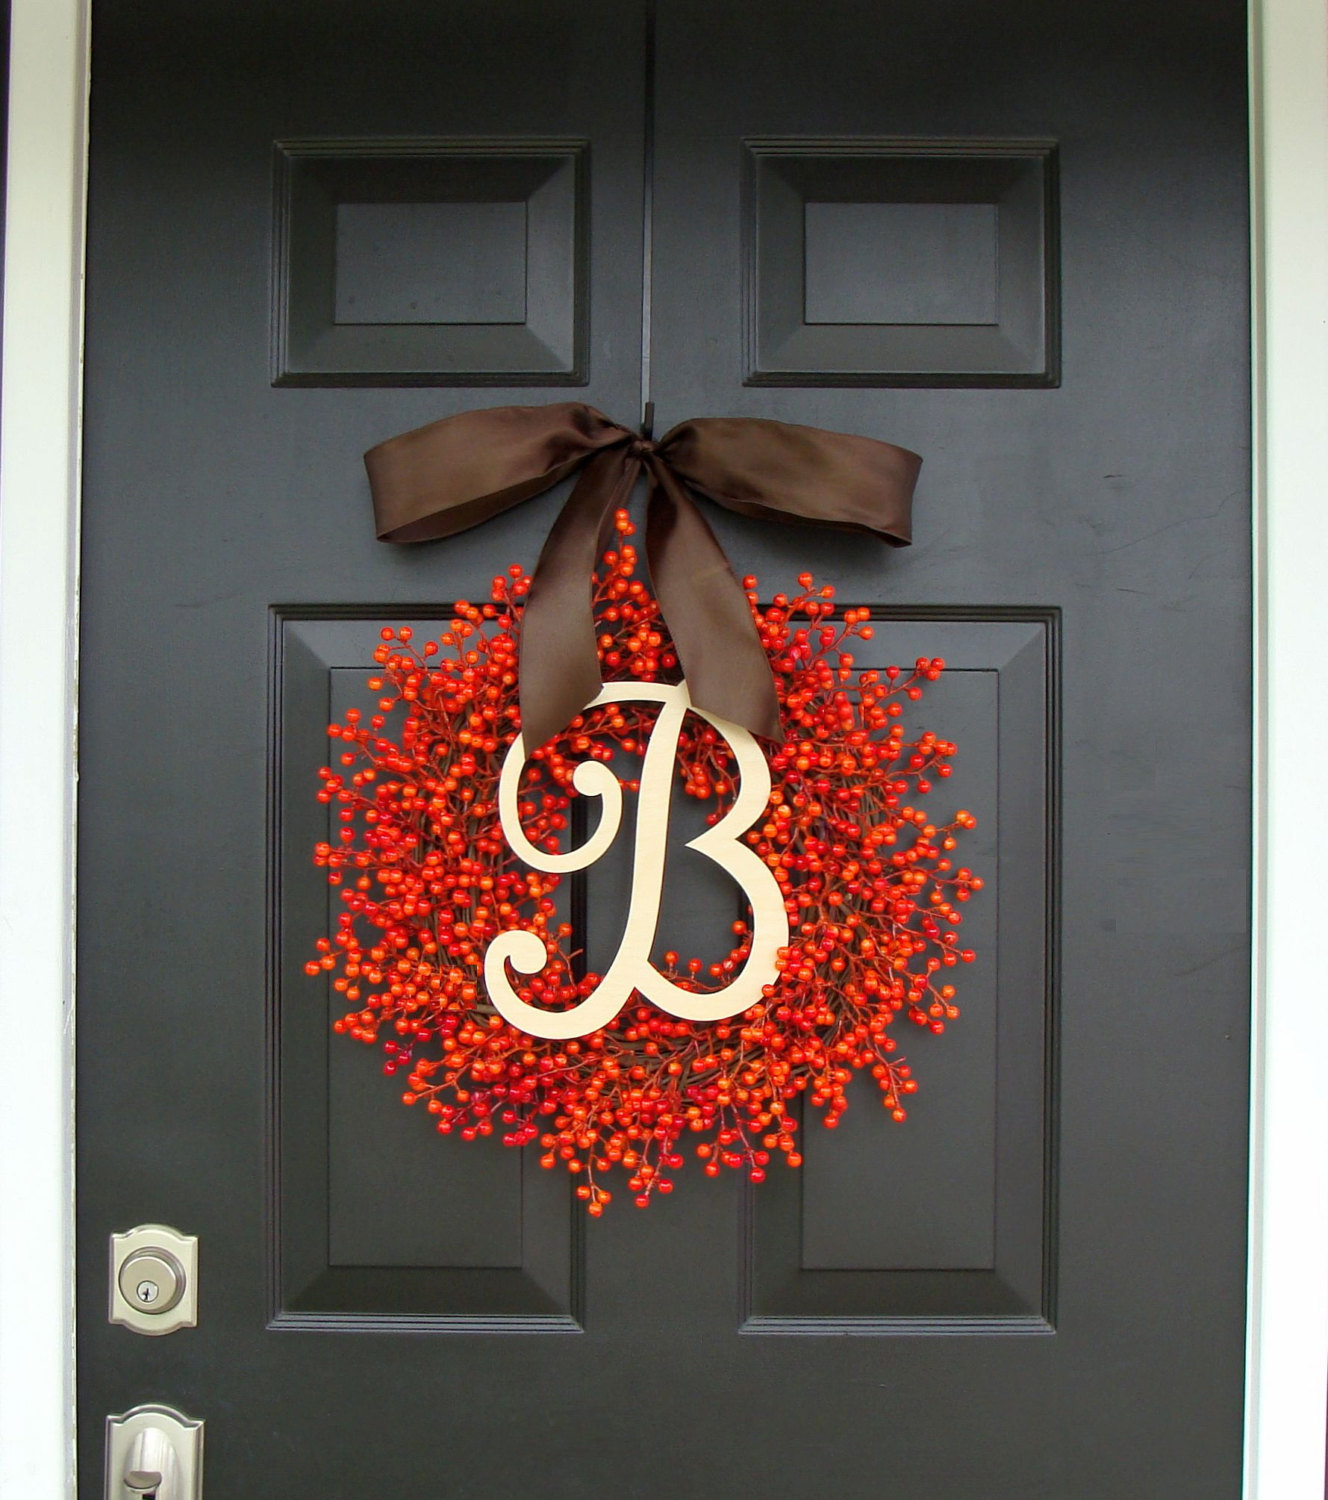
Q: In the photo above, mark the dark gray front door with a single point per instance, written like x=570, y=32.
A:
x=1010, y=237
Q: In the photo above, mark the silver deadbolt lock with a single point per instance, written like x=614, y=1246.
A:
x=153, y=1453
x=154, y=1279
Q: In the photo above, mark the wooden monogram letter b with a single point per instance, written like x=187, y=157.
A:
x=631, y=969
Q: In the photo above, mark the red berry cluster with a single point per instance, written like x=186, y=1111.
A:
x=427, y=881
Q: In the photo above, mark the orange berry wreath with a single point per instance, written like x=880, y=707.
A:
x=428, y=880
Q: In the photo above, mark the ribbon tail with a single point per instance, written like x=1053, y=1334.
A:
x=727, y=670
x=559, y=659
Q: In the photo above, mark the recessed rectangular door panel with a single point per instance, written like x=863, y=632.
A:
x=946, y=1221
x=376, y=1220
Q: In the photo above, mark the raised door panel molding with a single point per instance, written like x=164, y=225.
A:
x=430, y=262
x=897, y=262
x=946, y=1222
x=375, y=1221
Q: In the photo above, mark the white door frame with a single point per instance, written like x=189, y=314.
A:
x=40, y=424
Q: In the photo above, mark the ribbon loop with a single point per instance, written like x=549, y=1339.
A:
x=456, y=473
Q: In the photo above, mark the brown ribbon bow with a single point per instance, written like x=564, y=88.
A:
x=455, y=473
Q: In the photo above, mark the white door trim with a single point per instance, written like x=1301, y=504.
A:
x=40, y=423
x=1287, y=1388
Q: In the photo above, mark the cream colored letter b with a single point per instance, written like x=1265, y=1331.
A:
x=631, y=969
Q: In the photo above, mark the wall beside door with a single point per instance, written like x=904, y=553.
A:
x=39, y=467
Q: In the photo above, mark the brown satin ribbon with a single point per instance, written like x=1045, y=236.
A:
x=454, y=474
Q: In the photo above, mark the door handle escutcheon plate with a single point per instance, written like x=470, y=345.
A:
x=153, y=1453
